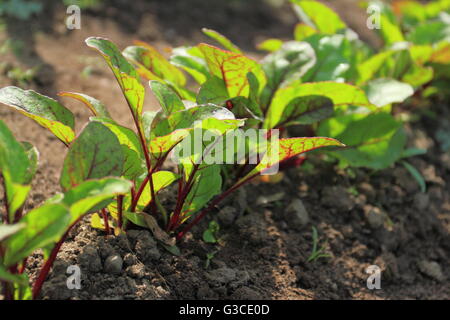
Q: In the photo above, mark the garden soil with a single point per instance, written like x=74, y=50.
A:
x=362, y=218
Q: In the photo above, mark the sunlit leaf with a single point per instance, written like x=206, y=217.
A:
x=44, y=110
x=126, y=75
x=340, y=93
x=221, y=39
x=43, y=227
x=232, y=68
x=318, y=16
x=97, y=108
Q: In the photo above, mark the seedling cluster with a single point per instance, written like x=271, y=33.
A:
x=326, y=81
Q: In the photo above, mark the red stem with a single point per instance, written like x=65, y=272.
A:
x=182, y=198
x=120, y=210
x=137, y=195
x=49, y=263
x=105, y=221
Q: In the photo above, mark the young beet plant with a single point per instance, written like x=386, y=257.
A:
x=116, y=173
x=414, y=59
x=47, y=226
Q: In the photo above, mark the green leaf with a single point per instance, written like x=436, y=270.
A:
x=375, y=140
x=126, y=136
x=136, y=217
x=232, y=68
x=207, y=184
x=224, y=41
x=209, y=235
x=270, y=45
x=307, y=110
x=284, y=66
x=411, y=152
x=93, y=195
x=172, y=130
x=212, y=90
x=147, y=120
x=382, y=92
x=161, y=180
x=134, y=163
x=6, y=230
x=15, y=167
x=318, y=16
x=44, y=110
x=282, y=149
x=43, y=227
x=340, y=93
x=152, y=65
x=97, y=222
x=430, y=33
x=370, y=67
x=191, y=59
x=303, y=31
x=390, y=31
x=33, y=157
x=168, y=99
x=334, y=56
x=96, y=153
x=126, y=75
x=416, y=175
x=97, y=108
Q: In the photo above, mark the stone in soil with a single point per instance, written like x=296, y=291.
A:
x=113, y=264
x=431, y=269
x=337, y=197
x=296, y=214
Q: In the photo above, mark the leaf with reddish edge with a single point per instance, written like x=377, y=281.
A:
x=340, y=93
x=93, y=195
x=232, y=68
x=170, y=102
x=191, y=60
x=134, y=164
x=224, y=41
x=126, y=75
x=156, y=66
x=44, y=226
x=163, y=144
x=307, y=110
x=282, y=149
x=97, y=108
x=46, y=111
x=95, y=153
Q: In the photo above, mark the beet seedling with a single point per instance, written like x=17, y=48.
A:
x=106, y=148
x=45, y=227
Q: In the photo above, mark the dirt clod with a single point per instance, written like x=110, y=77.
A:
x=431, y=269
